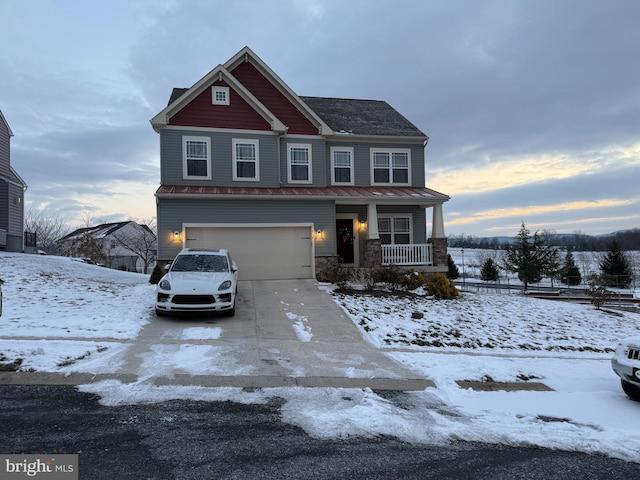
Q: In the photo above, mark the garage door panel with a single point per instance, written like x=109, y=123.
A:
x=261, y=253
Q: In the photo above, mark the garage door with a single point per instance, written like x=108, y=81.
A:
x=262, y=253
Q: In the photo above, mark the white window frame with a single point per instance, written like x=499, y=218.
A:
x=223, y=98
x=290, y=163
x=391, y=152
x=393, y=233
x=185, y=158
x=335, y=150
x=242, y=141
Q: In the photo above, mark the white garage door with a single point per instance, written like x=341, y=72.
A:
x=262, y=253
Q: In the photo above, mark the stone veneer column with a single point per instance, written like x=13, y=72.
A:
x=372, y=253
x=439, y=246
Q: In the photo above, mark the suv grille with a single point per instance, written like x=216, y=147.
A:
x=193, y=299
x=634, y=354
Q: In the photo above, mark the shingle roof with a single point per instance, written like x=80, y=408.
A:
x=362, y=117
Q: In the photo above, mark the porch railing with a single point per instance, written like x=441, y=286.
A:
x=412, y=254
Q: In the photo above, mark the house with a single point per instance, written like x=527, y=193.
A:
x=12, y=189
x=292, y=184
x=124, y=246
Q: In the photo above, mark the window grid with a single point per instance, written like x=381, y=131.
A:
x=299, y=157
x=342, y=165
x=391, y=167
x=197, y=157
x=245, y=158
x=395, y=230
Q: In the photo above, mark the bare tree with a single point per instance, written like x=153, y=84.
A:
x=143, y=242
x=48, y=229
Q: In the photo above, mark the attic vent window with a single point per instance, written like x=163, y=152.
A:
x=220, y=95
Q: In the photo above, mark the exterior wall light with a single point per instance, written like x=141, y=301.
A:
x=318, y=233
x=363, y=225
x=176, y=235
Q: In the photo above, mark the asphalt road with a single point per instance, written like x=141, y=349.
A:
x=224, y=440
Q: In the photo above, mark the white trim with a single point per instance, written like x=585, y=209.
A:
x=256, y=144
x=393, y=216
x=356, y=235
x=309, y=149
x=222, y=130
x=332, y=151
x=185, y=175
x=390, y=151
x=225, y=93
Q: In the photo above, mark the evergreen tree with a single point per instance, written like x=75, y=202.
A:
x=570, y=273
x=615, y=264
x=530, y=258
x=489, y=272
x=453, y=271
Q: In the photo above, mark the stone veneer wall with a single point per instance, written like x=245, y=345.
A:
x=323, y=264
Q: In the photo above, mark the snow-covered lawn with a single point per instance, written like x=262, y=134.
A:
x=64, y=316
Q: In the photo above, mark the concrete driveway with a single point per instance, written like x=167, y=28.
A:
x=286, y=333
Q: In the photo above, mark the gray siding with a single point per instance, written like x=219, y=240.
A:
x=173, y=213
x=362, y=160
x=4, y=150
x=171, y=167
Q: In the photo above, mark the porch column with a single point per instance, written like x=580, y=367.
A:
x=372, y=246
x=438, y=238
x=437, y=222
x=372, y=222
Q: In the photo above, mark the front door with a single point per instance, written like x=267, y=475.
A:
x=344, y=230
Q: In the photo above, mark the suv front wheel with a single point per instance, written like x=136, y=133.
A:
x=632, y=391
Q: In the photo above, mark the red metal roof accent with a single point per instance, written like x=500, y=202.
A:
x=415, y=195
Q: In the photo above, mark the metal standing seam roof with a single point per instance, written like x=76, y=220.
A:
x=379, y=194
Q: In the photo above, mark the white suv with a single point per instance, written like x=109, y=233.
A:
x=199, y=280
x=626, y=364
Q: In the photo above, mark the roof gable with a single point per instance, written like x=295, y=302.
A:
x=217, y=74
x=6, y=124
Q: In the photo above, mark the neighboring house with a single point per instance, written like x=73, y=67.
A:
x=12, y=189
x=290, y=184
x=123, y=246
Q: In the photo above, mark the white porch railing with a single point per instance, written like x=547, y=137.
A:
x=413, y=254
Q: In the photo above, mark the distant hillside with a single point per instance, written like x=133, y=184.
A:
x=627, y=240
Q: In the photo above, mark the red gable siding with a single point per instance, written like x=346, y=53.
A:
x=200, y=112
x=271, y=98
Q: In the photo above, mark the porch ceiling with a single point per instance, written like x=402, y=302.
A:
x=340, y=194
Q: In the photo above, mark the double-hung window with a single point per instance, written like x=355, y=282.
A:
x=391, y=166
x=342, y=165
x=246, y=163
x=196, y=152
x=299, y=163
x=395, y=230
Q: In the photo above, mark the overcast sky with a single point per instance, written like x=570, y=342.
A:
x=532, y=107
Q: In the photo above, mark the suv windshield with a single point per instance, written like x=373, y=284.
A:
x=200, y=263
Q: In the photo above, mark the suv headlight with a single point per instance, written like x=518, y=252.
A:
x=225, y=285
x=164, y=284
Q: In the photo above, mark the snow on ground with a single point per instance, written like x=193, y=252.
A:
x=49, y=301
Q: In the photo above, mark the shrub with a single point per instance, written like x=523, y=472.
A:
x=364, y=276
x=442, y=288
x=412, y=280
x=338, y=275
x=391, y=276
x=156, y=275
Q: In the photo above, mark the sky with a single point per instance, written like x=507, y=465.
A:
x=67, y=327
x=532, y=108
